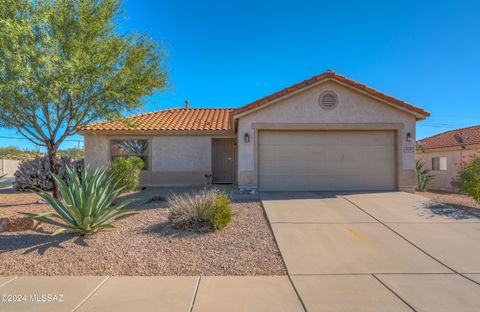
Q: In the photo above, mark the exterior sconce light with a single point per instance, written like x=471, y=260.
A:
x=409, y=137
x=246, y=138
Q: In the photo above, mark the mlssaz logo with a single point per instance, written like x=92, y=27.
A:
x=32, y=298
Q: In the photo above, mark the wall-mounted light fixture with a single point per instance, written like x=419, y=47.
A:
x=246, y=138
x=409, y=137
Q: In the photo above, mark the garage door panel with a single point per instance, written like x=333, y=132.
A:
x=327, y=137
x=290, y=167
x=326, y=160
x=325, y=153
x=327, y=183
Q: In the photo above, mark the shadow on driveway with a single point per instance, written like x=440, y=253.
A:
x=453, y=211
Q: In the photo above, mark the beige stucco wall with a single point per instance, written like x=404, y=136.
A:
x=174, y=160
x=303, y=108
x=97, y=153
x=442, y=180
x=8, y=167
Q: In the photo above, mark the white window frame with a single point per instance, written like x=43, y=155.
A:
x=146, y=156
x=442, y=163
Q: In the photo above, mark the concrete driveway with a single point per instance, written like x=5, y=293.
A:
x=377, y=251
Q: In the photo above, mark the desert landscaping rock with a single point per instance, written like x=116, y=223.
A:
x=457, y=200
x=144, y=244
x=16, y=224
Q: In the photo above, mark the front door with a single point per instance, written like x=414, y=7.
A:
x=223, y=160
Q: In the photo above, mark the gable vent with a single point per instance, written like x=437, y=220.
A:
x=328, y=100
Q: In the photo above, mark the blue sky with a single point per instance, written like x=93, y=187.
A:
x=226, y=54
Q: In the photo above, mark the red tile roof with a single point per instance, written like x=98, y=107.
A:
x=175, y=119
x=334, y=76
x=469, y=136
x=219, y=119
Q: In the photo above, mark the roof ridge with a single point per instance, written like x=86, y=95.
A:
x=448, y=131
x=330, y=74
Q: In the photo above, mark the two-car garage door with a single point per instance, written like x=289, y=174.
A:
x=326, y=160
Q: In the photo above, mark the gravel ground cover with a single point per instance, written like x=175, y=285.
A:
x=144, y=244
x=460, y=200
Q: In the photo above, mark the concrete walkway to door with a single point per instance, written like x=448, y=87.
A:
x=377, y=251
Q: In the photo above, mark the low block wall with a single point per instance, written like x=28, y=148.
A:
x=8, y=166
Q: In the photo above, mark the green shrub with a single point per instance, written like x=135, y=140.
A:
x=423, y=177
x=207, y=210
x=223, y=214
x=468, y=181
x=86, y=204
x=126, y=172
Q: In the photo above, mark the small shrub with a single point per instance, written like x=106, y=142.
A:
x=423, y=177
x=34, y=175
x=468, y=181
x=126, y=172
x=86, y=205
x=207, y=210
x=223, y=214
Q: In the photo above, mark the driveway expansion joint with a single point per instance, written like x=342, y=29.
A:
x=195, y=292
x=401, y=236
x=281, y=256
x=90, y=294
x=297, y=293
x=10, y=280
x=393, y=292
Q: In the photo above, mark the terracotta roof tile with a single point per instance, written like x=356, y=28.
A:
x=330, y=75
x=219, y=119
x=175, y=119
x=469, y=136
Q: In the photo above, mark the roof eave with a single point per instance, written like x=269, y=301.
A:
x=419, y=116
x=157, y=132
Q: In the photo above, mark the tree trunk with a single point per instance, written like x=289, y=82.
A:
x=54, y=165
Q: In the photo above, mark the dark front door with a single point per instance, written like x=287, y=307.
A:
x=223, y=160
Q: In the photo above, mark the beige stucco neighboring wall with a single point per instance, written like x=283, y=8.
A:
x=442, y=180
x=173, y=159
x=8, y=167
x=302, y=109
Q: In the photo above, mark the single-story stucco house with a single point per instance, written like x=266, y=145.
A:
x=325, y=133
x=445, y=153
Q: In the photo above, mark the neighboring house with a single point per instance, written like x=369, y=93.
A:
x=445, y=153
x=8, y=167
x=324, y=133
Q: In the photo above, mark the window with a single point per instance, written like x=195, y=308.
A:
x=128, y=148
x=439, y=163
x=328, y=100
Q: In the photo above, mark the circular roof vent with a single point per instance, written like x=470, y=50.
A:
x=328, y=100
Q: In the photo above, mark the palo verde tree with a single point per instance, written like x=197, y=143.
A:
x=64, y=63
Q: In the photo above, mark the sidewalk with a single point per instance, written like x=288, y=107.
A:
x=130, y=293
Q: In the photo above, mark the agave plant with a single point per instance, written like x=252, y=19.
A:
x=3, y=182
x=86, y=204
x=423, y=177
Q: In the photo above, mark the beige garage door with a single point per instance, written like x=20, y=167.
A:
x=326, y=160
